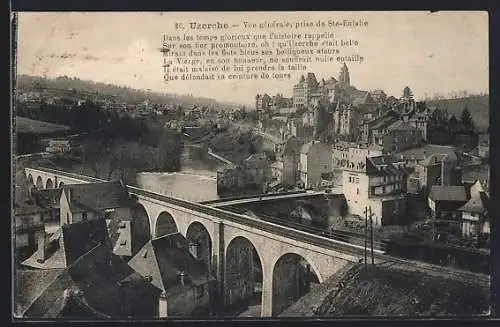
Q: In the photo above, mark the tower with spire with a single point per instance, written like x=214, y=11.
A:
x=344, y=79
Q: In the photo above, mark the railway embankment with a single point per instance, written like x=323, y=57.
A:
x=393, y=291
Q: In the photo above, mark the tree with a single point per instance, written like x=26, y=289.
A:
x=169, y=152
x=94, y=152
x=407, y=93
x=466, y=121
x=125, y=158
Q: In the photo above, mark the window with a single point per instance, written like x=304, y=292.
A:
x=357, y=191
x=67, y=217
x=84, y=216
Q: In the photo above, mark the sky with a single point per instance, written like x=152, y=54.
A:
x=439, y=52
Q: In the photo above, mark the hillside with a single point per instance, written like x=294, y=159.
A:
x=30, y=126
x=478, y=105
x=27, y=83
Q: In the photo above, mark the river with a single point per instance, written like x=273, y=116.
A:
x=196, y=182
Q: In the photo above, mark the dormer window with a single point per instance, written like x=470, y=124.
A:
x=123, y=242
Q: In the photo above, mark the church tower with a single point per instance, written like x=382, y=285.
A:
x=344, y=79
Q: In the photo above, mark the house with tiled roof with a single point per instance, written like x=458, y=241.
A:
x=289, y=156
x=60, y=249
x=444, y=200
x=400, y=136
x=98, y=285
x=475, y=219
x=80, y=202
x=314, y=162
x=372, y=131
x=433, y=165
x=185, y=282
x=28, y=226
x=49, y=199
x=380, y=184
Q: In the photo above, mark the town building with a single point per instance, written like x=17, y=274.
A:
x=340, y=154
x=62, y=248
x=379, y=96
x=263, y=101
x=444, y=200
x=303, y=89
x=186, y=283
x=358, y=153
x=230, y=179
x=28, y=226
x=373, y=131
x=379, y=184
x=60, y=146
x=314, y=163
x=345, y=119
x=257, y=171
x=80, y=202
x=290, y=156
x=99, y=285
x=475, y=220
x=49, y=200
x=433, y=165
x=276, y=175
x=400, y=136
x=279, y=101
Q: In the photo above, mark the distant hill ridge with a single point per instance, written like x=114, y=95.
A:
x=127, y=94
x=478, y=105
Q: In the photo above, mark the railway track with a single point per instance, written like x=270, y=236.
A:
x=380, y=245
x=343, y=236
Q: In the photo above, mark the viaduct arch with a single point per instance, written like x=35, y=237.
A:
x=49, y=184
x=200, y=243
x=165, y=224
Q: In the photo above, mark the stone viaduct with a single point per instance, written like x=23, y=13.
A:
x=244, y=253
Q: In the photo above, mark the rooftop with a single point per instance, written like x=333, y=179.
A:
x=477, y=204
x=106, y=285
x=448, y=193
x=69, y=243
x=427, y=150
x=385, y=121
x=164, y=258
x=97, y=196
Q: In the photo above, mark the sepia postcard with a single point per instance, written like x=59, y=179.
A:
x=209, y=165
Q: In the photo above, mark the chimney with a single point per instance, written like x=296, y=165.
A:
x=42, y=248
x=162, y=306
x=181, y=275
x=67, y=294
